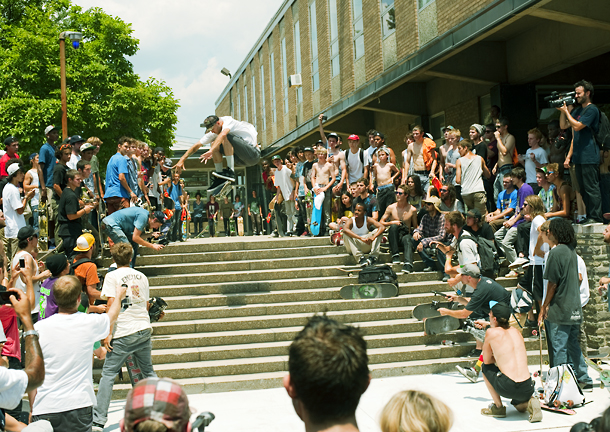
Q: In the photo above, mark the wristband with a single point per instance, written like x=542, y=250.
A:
x=30, y=333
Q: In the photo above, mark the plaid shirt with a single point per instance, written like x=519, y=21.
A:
x=431, y=229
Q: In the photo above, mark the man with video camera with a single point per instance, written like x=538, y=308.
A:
x=584, y=119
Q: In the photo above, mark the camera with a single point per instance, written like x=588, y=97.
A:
x=557, y=99
x=202, y=420
x=5, y=296
x=157, y=306
x=469, y=327
x=126, y=302
x=324, y=117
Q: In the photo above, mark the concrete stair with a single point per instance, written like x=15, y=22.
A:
x=235, y=304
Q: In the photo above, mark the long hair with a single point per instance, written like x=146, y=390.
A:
x=536, y=206
x=416, y=185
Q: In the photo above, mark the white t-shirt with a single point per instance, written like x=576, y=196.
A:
x=12, y=387
x=67, y=347
x=535, y=260
x=21, y=285
x=584, y=285
x=153, y=192
x=468, y=252
x=73, y=161
x=282, y=180
x=355, y=166
x=530, y=166
x=368, y=155
x=11, y=201
x=239, y=128
x=135, y=318
x=35, y=182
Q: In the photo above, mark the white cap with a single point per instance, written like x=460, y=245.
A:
x=12, y=169
x=49, y=129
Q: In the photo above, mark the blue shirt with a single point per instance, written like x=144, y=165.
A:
x=47, y=157
x=586, y=150
x=132, y=178
x=175, y=192
x=116, y=165
x=524, y=191
x=506, y=200
x=128, y=219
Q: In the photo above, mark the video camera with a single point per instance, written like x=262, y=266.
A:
x=557, y=99
x=157, y=306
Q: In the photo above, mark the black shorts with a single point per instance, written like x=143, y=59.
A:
x=245, y=154
x=532, y=281
x=519, y=392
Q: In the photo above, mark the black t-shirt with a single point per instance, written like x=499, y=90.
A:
x=306, y=169
x=486, y=291
x=68, y=204
x=481, y=150
x=484, y=231
x=562, y=269
x=370, y=203
x=59, y=177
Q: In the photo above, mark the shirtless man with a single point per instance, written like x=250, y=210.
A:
x=401, y=219
x=335, y=156
x=322, y=175
x=558, y=144
x=385, y=172
x=506, y=146
x=419, y=153
x=505, y=367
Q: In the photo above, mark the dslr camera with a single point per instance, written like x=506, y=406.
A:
x=557, y=99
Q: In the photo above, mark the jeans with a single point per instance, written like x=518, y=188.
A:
x=563, y=342
x=588, y=179
x=198, y=224
x=385, y=196
x=140, y=345
x=426, y=256
x=522, y=245
x=398, y=236
x=117, y=235
x=257, y=226
x=301, y=216
x=175, y=231
x=506, y=237
x=35, y=216
x=77, y=420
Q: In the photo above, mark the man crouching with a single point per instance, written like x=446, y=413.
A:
x=505, y=367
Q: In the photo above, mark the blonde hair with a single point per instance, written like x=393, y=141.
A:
x=455, y=132
x=321, y=150
x=415, y=411
x=95, y=141
x=536, y=206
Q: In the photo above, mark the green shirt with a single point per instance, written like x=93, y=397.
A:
x=254, y=206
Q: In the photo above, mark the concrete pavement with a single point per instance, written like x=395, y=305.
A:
x=271, y=410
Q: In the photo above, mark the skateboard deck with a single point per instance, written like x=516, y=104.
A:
x=440, y=324
x=561, y=410
x=366, y=291
x=232, y=226
x=184, y=217
x=604, y=373
x=430, y=310
x=240, y=226
x=316, y=220
x=43, y=225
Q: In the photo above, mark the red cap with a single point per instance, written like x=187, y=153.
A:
x=353, y=137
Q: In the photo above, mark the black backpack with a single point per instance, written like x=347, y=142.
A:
x=488, y=254
x=602, y=136
x=378, y=274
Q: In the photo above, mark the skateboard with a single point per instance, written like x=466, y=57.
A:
x=559, y=409
x=430, y=310
x=184, y=217
x=232, y=227
x=351, y=271
x=240, y=226
x=221, y=190
x=604, y=374
x=316, y=220
x=440, y=324
x=366, y=291
x=43, y=224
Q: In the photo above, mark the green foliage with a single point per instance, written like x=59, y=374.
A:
x=105, y=97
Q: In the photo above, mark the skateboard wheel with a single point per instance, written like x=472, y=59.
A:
x=546, y=362
x=534, y=332
x=535, y=374
x=570, y=404
x=556, y=403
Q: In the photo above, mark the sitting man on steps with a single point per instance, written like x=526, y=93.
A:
x=505, y=367
x=430, y=232
x=362, y=235
x=327, y=374
x=401, y=219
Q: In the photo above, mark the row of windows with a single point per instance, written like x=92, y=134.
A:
x=388, y=26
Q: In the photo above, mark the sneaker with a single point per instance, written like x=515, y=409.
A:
x=363, y=262
x=533, y=408
x=586, y=387
x=493, y=411
x=275, y=234
x=371, y=260
x=260, y=233
x=469, y=373
x=215, y=183
x=518, y=262
x=476, y=353
x=396, y=259
x=226, y=174
x=590, y=222
x=97, y=427
x=407, y=268
x=305, y=234
x=428, y=269
x=512, y=274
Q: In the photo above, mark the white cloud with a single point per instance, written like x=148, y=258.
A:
x=187, y=42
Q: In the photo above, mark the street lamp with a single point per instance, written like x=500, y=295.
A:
x=225, y=72
x=75, y=38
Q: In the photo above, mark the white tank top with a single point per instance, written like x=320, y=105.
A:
x=355, y=166
x=360, y=231
x=472, y=175
x=36, y=199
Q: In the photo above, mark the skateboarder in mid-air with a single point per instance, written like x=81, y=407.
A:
x=233, y=139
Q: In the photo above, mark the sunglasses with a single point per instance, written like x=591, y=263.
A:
x=399, y=193
x=444, y=190
x=488, y=131
x=498, y=126
x=526, y=204
x=550, y=172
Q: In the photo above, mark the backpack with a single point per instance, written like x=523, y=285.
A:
x=488, y=254
x=561, y=386
x=602, y=136
x=378, y=274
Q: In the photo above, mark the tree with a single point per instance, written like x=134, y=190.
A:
x=105, y=97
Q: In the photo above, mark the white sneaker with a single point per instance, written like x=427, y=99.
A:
x=518, y=262
x=469, y=373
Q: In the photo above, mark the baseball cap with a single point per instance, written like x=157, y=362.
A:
x=309, y=149
x=76, y=138
x=384, y=149
x=448, y=127
x=26, y=232
x=13, y=169
x=158, y=215
x=276, y=157
x=501, y=310
x=353, y=137
x=159, y=399
x=209, y=122
x=49, y=129
x=56, y=264
x=84, y=242
x=167, y=163
x=9, y=140
x=332, y=134
x=87, y=146
x=474, y=213
x=471, y=270
x=33, y=155
x=380, y=135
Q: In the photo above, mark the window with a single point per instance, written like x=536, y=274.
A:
x=358, y=29
x=285, y=74
x=231, y=102
x=423, y=3
x=253, y=99
x=246, y=117
x=388, y=19
x=263, y=112
x=297, y=58
x=272, y=71
x=238, y=106
x=334, y=38
x=313, y=33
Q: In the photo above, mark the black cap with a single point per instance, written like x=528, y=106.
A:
x=209, y=122
x=9, y=140
x=308, y=149
x=26, y=232
x=158, y=215
x=76, y=138
x=380, y=135
x=501, y=311
x=56, y=264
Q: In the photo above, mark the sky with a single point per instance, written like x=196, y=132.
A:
x=186, y=43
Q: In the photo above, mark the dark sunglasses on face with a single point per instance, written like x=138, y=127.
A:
x=399, y=193
x=498, y=126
